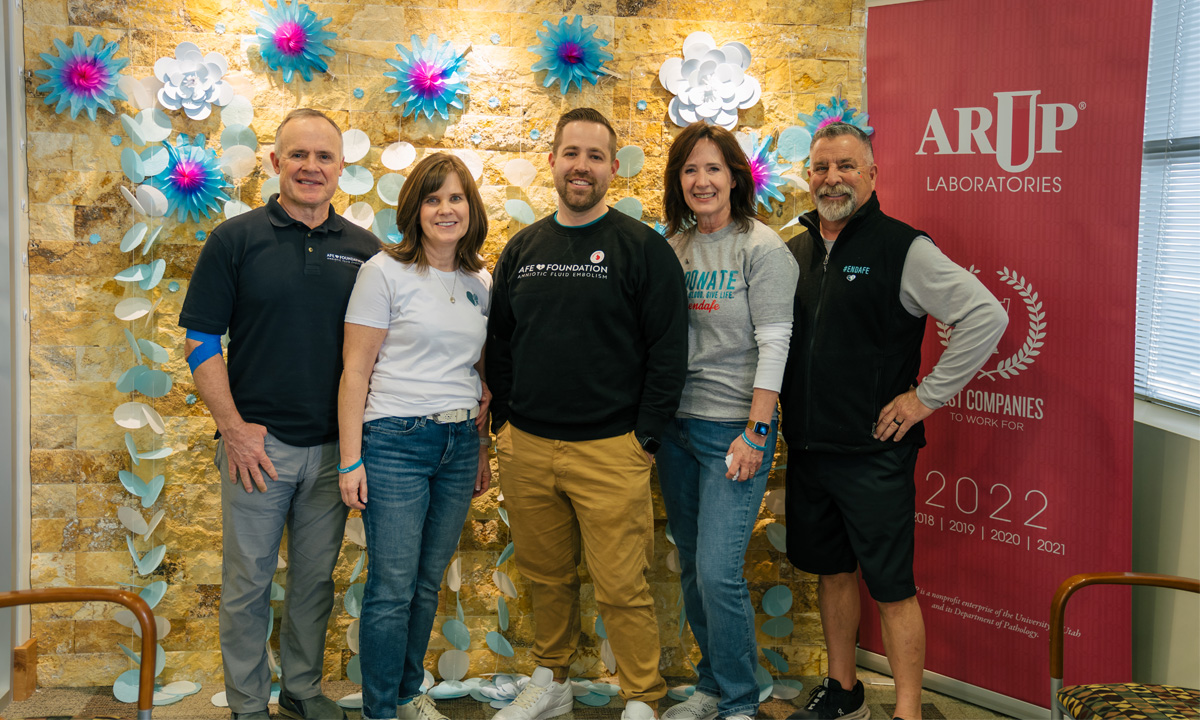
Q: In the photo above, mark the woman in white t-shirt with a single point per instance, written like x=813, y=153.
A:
x=412, y=410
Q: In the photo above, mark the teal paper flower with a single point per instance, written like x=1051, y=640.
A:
x=838, y=110
x=290, y=37
x=83, y=77
x=192, y=181
x=429, y=78
x=570, y=53
x=765, y=167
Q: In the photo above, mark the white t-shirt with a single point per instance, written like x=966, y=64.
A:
x=426, y=362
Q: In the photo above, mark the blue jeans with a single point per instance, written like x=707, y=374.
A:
x=420, y=477
x=711, y=519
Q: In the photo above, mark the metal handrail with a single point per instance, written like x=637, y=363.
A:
x=136, y=605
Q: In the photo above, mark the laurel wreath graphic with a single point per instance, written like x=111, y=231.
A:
x=1023, y=358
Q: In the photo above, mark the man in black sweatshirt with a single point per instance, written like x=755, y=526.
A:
x=587, y=349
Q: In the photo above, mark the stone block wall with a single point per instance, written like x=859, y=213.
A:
x=803, y=51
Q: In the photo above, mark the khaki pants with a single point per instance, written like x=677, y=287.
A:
x=559, y=493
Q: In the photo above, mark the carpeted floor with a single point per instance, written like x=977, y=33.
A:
x=62, y=703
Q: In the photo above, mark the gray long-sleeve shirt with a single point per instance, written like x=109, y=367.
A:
x=932, y=284
x=740, y=288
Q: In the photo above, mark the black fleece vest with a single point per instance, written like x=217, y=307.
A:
x=854, y=347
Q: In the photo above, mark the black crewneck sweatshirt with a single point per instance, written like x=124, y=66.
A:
x=587, y=336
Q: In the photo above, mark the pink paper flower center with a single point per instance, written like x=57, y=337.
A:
x=188, y=176
x=570, y=52
x=84, y=76
x=290, y=38
x=427, y=79
x=758, y=170
x=830, y=121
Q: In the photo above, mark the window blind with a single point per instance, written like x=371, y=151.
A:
x=1167, y=364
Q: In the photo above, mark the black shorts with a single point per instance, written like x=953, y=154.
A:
x=849, y=511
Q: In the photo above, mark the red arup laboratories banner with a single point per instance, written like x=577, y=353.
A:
x=1011, y=131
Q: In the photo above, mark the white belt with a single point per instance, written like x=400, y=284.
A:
x=455, y=416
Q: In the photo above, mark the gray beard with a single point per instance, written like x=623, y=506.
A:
x=835, y=211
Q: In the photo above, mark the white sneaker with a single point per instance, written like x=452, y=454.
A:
x=421, y=707
x=637, y=710
x=700, y=706
x=542, y=698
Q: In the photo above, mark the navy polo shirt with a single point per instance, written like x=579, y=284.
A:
x=280, y=289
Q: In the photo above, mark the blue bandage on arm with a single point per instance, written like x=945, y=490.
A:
x=209, y=345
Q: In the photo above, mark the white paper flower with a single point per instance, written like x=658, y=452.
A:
x=709, y=83
x=193, y=81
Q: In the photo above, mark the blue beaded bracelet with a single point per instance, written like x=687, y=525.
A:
x=760, y=448
x=345, y=470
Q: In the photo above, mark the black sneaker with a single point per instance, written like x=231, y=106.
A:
x=829, y=701
x=318, y=707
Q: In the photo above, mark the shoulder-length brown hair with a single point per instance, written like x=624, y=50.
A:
x=680, y=217
x=427, y=178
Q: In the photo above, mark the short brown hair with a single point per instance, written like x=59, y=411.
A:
x=427, y=178
x=300, y=113
x=680, y=217
x=585, y=114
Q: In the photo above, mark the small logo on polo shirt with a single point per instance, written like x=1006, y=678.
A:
x=474, y=300
x=344, y=259
x=597, y=257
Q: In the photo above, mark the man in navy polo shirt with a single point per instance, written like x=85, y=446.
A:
x=277, y=279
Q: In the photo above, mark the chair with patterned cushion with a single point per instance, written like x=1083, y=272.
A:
x=1127, y=700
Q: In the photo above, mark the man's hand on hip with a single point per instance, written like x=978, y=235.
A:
x=244, y=448
x=899, y=415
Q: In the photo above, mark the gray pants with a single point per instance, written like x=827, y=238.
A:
x=306, y=500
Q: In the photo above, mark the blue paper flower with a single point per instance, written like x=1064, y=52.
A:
x=83, y=77
x=570, y=53
x=290, y=37
x=192, y=181
x=765, y=167
x=429, y=78
x=838, y=110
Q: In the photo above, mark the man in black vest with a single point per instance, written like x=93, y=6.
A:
x=852, y=408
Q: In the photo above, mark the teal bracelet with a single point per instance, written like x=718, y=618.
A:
x=345, y=470
x=760, y=448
